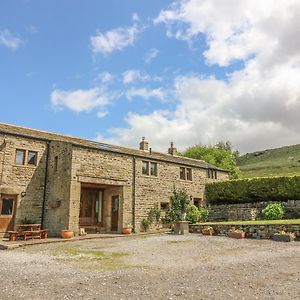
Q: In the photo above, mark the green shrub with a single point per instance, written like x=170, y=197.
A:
x=273, y=211
x=204, y=213
x=192, y=214
x=154, y=214
x=179, y=204
x=145, y=224
x=253, y=190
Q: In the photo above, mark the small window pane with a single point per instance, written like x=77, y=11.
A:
x=182, y=173
x=215, y=174
x=153, y=169
x=145, y=167
x=20, y=157
x=7, y=207
x=32, y=158
x=189, y=174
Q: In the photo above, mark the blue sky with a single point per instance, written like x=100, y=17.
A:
x=183, y=71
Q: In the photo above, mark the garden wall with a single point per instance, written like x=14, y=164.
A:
x=249, y=211
x=252, y=231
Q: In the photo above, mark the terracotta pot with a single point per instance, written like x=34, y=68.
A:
x=236, y=235
x=207, y=231
x=66, y=234
x=126, y=230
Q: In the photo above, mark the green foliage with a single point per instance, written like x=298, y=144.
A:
x=192, y=214
x=204, y=213
x=154, y=214
x=273, y=211
x=221, y=155
x=254, y=190
x=145, y=224
x=284, y=161
x=179, y=204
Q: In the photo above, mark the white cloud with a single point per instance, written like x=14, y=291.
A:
x=106, y=77
x=135, y=17
x=145, y=93
x=150, y=55
x=80, y=100
x=116, y=39
x=101, y=114
x=131, y=76
x=10, y=41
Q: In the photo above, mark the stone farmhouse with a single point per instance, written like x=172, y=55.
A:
x=64, y=182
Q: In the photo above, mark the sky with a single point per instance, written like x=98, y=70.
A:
x=189, y=71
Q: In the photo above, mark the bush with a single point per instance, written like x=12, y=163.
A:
x=192, y=214
x=204, y=213
x=145, y=224
x=273, y=211
x=154, y=214
x=179, y=204
x=253, y=190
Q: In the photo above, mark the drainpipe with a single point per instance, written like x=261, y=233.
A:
x=45, y=185
x=133, y=191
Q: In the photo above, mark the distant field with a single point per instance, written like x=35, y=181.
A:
x=283, y=161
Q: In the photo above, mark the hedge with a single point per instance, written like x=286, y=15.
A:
x=253, y=190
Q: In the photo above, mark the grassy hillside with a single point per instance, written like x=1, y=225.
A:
x=283, y=161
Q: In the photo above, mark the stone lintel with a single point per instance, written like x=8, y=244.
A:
x=100, y=181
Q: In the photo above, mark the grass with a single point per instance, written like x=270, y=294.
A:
x=258, y=222
x=284, y=161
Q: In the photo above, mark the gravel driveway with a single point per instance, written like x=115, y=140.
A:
x=153, y=267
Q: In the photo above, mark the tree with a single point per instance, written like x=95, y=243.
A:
x=221, y=155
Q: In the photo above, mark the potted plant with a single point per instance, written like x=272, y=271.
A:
x=236, y=233
x=177, y=213
x=127, y=229
x=283, y=236
x=207, y=230
x=66, y=233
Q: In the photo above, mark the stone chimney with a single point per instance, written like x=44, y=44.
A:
x=172, y=150
x=144, y=145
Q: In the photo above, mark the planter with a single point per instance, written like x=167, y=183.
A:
x=181, y=227
x=66, y=234
x=126, y=230
x=283, y=237
x=207, y=231
x=236, y=235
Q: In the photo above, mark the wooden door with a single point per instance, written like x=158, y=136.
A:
x=7, y=212
x=115, y=205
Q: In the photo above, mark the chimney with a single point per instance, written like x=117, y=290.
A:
x=144, y=144
x=172, y=150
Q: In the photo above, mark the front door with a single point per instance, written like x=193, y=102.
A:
x=7, y=212
x=115, y=204
x=91, y=203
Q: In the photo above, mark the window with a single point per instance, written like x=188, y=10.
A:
x=197, y=202
x=164, y=206
x=7, y=207
x=32, y=158
x=153, y=169
x=149, y=168
x=182, y=173
x=211, y=173
x=186, y=174
x=55, y=163
x=189, y=174
x=145, y=168
x=20, y=157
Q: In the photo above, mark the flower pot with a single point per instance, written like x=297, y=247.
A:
x=207, y=231
x=236, y=235
x=126, y=230
x=181, y=227
x=66, y=234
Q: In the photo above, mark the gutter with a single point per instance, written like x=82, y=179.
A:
x=45, y=186
x=133, y=191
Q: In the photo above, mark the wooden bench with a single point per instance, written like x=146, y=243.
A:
x=28, y=231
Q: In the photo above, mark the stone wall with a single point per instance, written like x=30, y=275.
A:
x=252, y=231
x=249, y=211
x=27, y=180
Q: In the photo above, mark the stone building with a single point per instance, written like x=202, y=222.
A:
x=64, y=182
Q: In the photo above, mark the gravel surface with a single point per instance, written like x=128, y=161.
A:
x=153, y=267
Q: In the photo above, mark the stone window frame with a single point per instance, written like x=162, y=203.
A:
x=212, y=174
x=148, y=169
x=186, y=173
x=25, y=158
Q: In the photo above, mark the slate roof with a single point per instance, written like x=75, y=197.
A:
x=48, y=136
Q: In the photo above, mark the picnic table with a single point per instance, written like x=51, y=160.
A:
x=28, y=231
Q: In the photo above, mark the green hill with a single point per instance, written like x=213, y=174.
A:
x=284, y=161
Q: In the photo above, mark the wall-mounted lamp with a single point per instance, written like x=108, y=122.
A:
x=23, y=194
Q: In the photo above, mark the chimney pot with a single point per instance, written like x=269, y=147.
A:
x=172, y=150
x=144, y=145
